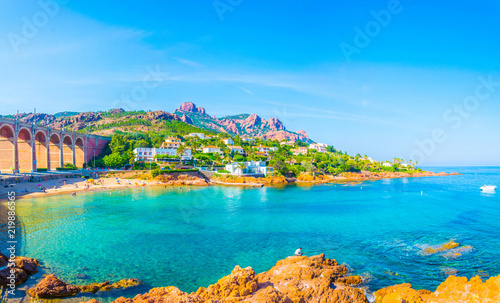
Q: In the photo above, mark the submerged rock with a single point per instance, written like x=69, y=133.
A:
x=52, y=287
x=292, y=280
x=457, y=252
x=439, y=248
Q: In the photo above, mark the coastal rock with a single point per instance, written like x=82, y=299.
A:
x=107, y=286
x=296, y=279
x=52, y=287
x=3, y=260
x=24, y=267
x=228, y=179
x=20, y=276
x=181, y=179
x=454, y=289
x=29, y=265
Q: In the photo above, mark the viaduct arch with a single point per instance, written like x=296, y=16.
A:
x=27, y=147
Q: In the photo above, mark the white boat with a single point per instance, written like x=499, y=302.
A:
x=488, y=188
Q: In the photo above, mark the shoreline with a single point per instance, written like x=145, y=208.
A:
x=68, y=186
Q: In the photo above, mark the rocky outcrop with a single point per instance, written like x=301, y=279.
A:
x=454, y=289
x=159, y=115
x=275, y=124
x=190, y=107
x=243, y=124
x=52, y=287
x=296, y=279
x=24, y=267
x=116, y=111
x=181, y=179
x=186, y=119
x=42, y=119
x=107, y=286
x=229, y=179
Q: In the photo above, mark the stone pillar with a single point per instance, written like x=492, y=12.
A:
x=61, y=148
x=48, y=149
x=34, y=160
x=73, y=147
x=16, y=150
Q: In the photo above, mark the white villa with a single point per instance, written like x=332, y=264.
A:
x=199, y=135
x=211, y=149
x=228, y=141
x=148, y=154
x=386, y=164
x=263, y=149
x=250, y=167
x=299, y=150
x=248, y=139
x=171, y=142
x=237, y=149
x=289, y=143
x=320, y=147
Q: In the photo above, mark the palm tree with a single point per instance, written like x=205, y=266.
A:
x=241, y=166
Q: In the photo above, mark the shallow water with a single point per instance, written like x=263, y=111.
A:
x=193, y=238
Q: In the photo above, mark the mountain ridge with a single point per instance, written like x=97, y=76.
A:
x=107, y=122
x=250, y=125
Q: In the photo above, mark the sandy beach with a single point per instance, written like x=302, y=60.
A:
x=70, y=186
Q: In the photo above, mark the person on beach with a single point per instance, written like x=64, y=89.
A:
x=298, y=252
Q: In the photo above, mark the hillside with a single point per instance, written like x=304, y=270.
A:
x=186, y=119
x=115, y=120
x=243, y=124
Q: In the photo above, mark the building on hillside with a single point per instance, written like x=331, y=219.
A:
x=198, y=135
x=236, y=149
x=320, y=147
x=273, y=148
x=148, y=154
x=228, y=141
x=301, y=150
x=171, y=142
x=211, y=149
x=249, y=167
x=248, y=139
x=263, y=149
x=387, y=164
x=262, y=154
x=289, y=143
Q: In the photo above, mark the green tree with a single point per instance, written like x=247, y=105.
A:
x=114, y=160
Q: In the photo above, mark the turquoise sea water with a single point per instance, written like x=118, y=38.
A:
x=193, y=238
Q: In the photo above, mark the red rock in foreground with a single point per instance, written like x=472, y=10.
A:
x=292, y=280
x=454, y=289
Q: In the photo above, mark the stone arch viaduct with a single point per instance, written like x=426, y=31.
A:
x=26, y=147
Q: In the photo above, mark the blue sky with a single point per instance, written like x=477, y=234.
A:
x=390, y=97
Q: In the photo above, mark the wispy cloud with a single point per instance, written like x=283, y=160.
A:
x=188, y=62
x=246, y=90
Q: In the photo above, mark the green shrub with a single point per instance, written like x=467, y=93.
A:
x=223, y=171
x=70, y=166
x=65, y=168
x=41, y=169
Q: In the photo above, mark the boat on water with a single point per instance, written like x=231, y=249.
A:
x=488, y=188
